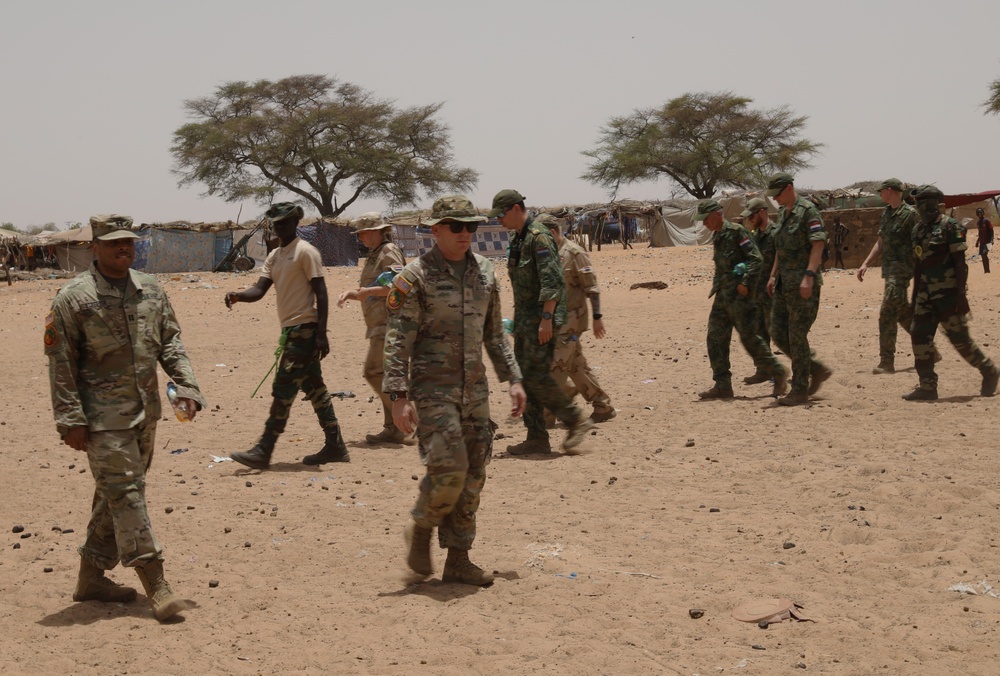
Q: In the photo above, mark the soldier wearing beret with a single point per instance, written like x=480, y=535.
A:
x=385, y=259
x=108, y=329
x=444, y=308
x=737, y=267
x=795, y=283
x=940, y=295
x=295, y=269
x=761, y=227
x=895, y=244
x=539, y=309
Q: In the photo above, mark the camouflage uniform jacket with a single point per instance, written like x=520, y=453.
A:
x=386, y=256
x=438, y=326
x=103, y=348
x=798, y=228
x=536, y=277
x=896, y=231
x=580, y=282
x=733, y=245
x=933, y=246
x=764, y=238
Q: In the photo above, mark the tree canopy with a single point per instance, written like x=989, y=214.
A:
x=702, y=142
x=318, y=138
x=992, y=104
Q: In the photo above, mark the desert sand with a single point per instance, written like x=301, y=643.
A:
x=861, y=507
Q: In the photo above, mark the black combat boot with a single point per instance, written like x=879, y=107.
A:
x=258, y=457
x=334, y=450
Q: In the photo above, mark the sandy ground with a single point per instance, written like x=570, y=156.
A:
x=680, y=504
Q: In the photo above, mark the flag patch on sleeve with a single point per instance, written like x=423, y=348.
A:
x=815, y=226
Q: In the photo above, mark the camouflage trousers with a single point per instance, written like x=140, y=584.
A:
x=540, y=386
x=456, y=444
x=764, y=304
x=791, y=318
x=927, y=315
x=119, y=530
x=373, y=372
x=742, y=314
x=299, y=369
x=569, y=365
x=895, y=311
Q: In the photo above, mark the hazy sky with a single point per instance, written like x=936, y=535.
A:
x=93, y=90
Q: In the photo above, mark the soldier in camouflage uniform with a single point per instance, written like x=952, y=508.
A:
x=444, y=308
x=939, y=295
x=758, y=222
x=108, y=329
x=737, y=267
x=895, y=244
x=795, y=284
x=295, y=269
x=383, y=257
x=539, y=309
x=568, y=362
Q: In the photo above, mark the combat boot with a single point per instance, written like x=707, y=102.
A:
x=717, y=392
x=818, y=378
x=459, y=569
x=390, y=434
x=604, y=416
x=577, y=435
x=165, y=603
x=258, y=457
x=780, y=383
x=794, y=399
x=759, y=377
x=529, y=447
x=921, y=394
x=884, y=367
x=92, y=585
x=334, y=450
x=991, y=377
x=418, y=549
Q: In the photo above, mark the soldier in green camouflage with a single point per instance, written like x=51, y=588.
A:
x=758, y=222
x=939, y=295
x=895, y=244
x=383, y=257
x=108, y=329
x=444, y=307
x=737, y=267
x=539, y=309
x=795, y=282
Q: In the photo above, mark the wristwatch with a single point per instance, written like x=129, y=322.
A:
x=546, y=315
x=393, y=396
x=597, y=316
x=809, y=273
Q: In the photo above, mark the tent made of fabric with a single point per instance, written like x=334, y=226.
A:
x=337, y=244
x=83, y=234
x=162, y=250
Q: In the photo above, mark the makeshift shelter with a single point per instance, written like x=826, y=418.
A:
x=337, y=243
x=73, y=249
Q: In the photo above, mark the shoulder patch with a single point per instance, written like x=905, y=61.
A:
x=815, y=226
x=402, y=284
x=745, y=243
x=396, y=268
x=542, y=251
x=51, y=336
x=394, y=300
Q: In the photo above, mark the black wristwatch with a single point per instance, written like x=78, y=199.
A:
x=546, y=315
x=809, y=273
x=597, y=316
x=393, y=396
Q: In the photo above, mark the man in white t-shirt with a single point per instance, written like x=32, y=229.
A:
x=296, y=270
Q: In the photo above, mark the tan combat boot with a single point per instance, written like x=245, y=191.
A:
x=459, y=569
x=165, y=603
x=418, y=549
x=390, y=434
x=93, y=586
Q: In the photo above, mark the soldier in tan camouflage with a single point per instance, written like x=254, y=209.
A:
x=443, y=309
x=384, y=261
x=568, y=362
x=108, y=329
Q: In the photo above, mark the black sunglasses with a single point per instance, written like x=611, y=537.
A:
x=457, y=227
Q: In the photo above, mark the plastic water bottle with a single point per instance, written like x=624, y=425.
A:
x=740, y=269
x=385, y=279
x=508, y=325
x=180, y=407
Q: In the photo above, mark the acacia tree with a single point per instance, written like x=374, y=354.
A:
x=992, y=104
x=703, y=142
x=318, y=138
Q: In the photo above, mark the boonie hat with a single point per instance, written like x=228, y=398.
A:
x=504, y=200
x=777, y=183
x=753, y=205
x=107, y=227
x=370, y=221
x=454, y=208
x=891, y=184
x=551, y=221
x=927, y=192
x=705, y=207
x=282, y=210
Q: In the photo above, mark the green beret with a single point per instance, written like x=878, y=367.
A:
x=503, y=200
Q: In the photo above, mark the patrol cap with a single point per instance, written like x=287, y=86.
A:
x=777, y=183
x=753, y=205
x=891, y=184
x=551, y=222
x=927, y=192
x=282, y=210
x=504, y=200
x=454, y=208
x=369, y=221
x=107, y=227
x=705, y=207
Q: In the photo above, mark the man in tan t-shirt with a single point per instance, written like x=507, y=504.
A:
x=296, y=270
